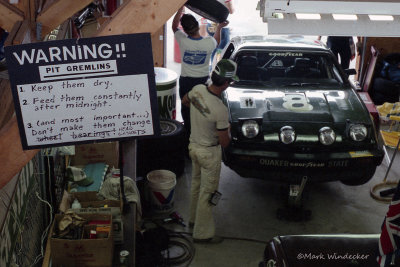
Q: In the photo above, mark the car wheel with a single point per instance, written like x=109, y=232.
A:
x=164, y=152
x=367, y=175
x=171, y=139
x=385, y=87
x=209, y=9
x=379, y=98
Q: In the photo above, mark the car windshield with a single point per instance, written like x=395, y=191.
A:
x=287, y=69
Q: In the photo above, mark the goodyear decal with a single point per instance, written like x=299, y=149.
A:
x=309, y=164
x=286, y=54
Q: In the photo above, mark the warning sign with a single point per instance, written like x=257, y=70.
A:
x=81, y=91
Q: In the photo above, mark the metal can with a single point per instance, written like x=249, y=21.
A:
x=124, y=257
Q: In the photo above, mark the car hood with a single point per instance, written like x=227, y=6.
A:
x=294, y=105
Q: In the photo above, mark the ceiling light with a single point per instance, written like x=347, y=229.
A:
x=344, y=16
x=381, y=17
x=307, y=16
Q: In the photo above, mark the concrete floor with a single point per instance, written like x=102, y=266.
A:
x=246, y=214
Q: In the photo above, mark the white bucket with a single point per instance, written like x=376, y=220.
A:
x=166, y=80
x=162, y=186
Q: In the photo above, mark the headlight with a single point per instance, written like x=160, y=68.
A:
x=287, y=135
x=250, y=128
x=327, y=136
x=358, y=132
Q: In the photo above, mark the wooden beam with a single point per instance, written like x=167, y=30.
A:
x=12, y=156
x=137, y=16
x=6, y=102
x=28, y=7
x=9, y=14
x=158, y=45
x=13, y=33
x=62, y=32
x=24, y=34
x=59, y=11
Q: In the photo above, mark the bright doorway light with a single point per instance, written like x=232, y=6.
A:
x=308, y=16
x=344, y=17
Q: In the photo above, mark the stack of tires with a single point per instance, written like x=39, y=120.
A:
x=165, y=152
x=386, y=85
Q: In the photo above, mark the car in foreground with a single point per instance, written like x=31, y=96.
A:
x=294, y=114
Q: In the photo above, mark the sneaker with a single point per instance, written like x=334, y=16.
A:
x=213, y=240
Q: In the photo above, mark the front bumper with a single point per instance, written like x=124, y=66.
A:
x=291, y=167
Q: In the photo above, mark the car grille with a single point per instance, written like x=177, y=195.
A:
x=303, y=144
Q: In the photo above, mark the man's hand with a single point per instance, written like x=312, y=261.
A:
x=176, y=19
x=185, y=101
x=223, y=24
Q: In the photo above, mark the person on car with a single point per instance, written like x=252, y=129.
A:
x=195, y=57
x=210, y=131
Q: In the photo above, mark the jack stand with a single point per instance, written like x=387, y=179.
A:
x=293, y=210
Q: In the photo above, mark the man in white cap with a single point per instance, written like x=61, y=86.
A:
x=210, y=130
x=195, y=57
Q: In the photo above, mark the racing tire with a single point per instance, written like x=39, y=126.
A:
x=171, y=139
x=385, y=87
x=209, y=9
x=379, y=98
x=368, y=173
x=163, y=152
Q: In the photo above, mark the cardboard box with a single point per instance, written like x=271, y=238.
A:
x=92, y=153
x=89, y=200
x=83, y=252
x=117, y=225
x=90, y=204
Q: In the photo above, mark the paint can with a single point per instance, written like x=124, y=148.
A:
x=162, y=186
x=124, y=258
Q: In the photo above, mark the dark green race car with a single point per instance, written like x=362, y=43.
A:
x=294, y=114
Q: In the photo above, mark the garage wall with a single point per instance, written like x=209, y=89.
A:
x=23, y=217
x=385, y=45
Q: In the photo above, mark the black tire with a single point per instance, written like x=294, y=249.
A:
x=385, y=87
x=368, y=173
x=209, y=9
x=379, y=98
x=171, y=139
x=170, y=128
x=164, y=152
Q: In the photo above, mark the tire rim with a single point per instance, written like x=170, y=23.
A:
x=167, y=127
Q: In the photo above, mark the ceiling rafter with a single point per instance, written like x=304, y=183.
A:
x=9, y=14
x=137, y=16
x=59, y=11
